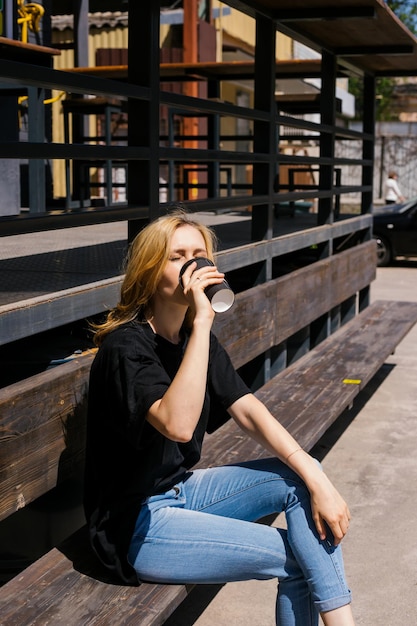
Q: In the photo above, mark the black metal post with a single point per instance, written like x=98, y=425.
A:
x=80, y=122
x=368, y=149
x=328, y=118
x=213, y=131
x=80, y=8
x=143, y=61
x=368, y=144
x=37, y=190
x=264, y=132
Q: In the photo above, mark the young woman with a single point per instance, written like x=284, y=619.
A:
x=159, y=381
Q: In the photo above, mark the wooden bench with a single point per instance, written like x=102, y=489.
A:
x=42, y=423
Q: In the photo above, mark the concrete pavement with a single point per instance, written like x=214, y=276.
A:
x=370, y=454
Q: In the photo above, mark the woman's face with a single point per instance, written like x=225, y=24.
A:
x=186, y=243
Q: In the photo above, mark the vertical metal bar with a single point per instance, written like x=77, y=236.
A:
x=10, y=27
x=68, y=202
x=265, y=142
x=186, y=182
x=229, y=181
x=46, y=23
x=213, y=128
x=381, y=167
x=80, y=9
x=36, y=134
x=10, y=170
x=328, y=118
x=338, y=183
x=264, y=132
x=80, y=122
x=190, y=88
x=109, y=164
x=291, y=175
x=143, y=129
x=369, y=116
x=171, y=165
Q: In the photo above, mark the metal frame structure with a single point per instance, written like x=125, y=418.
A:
x=305, y=20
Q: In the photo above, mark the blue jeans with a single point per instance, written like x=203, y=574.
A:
x=203, y=531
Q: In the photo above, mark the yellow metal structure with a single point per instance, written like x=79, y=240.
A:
x=30, y=15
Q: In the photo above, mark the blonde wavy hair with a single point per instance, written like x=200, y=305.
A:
x=144, y=266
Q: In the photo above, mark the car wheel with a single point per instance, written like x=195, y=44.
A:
x=384, y=254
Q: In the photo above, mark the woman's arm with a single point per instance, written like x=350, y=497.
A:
x=177, y=413
x=328, y=507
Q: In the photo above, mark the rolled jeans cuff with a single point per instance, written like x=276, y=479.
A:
x=333, y=603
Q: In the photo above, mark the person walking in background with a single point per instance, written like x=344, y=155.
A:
x=392, y=191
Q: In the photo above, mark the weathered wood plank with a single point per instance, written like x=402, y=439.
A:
x=35, y=473
x=355, y=270
x=61, y=590
x=27, y=404
x=42, y=432
x=308, y=293
x=268, y=314
x=247, y=330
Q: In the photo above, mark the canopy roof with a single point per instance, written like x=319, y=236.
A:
x=362, y=33
x=365, y=35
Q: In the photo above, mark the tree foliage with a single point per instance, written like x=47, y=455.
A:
x=384, y=90
x=406, y=11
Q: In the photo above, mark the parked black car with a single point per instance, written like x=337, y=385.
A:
x=395, y=230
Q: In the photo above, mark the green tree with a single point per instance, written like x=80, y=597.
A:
x=406, y=11
x=384, y=90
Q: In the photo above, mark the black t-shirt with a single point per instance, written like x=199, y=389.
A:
x=127, y=459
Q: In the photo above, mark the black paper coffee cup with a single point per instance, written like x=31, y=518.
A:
x=221, y=296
